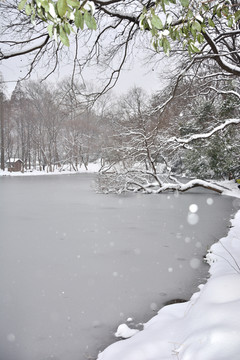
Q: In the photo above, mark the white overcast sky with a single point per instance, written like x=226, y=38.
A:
x=138, y=75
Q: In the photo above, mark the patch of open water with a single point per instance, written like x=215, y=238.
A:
x=75, y=264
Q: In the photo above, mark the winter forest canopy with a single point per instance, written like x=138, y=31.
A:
x=190, y=127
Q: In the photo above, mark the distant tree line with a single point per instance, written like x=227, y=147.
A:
x=46, y=130
x=191, y=127
x=56, y=127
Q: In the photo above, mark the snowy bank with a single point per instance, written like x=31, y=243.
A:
x=207, y=327
x=91, y=168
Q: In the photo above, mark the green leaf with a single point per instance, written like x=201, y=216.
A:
x=21, y=4
x=45, y=5
x=184, y=3
x=200, y=38
x=33, y=16
x=50, y=30
x=87, y=17
x=189, y=14
x=205, y=7
x=155, y=45
x=194, y=48
x=73, y=3
x=156, y=21
x=172, y=33
x=219, y=12
x=67, y=29
x=230, y=22
x=225, y=10
x=169, y=19
x=94, y=24
x=196, y=26
x=79, y=21
x=28, y=9
x=63, y=37
x=211, y=23
x=38, y=3
x=144, y=11
x=163, y=6
x=185, y=43
x=214, y=10
x=90, y=21
x=154, y=31
x=62, y=7
x=237, y=15
x=194, y=33
x=40, y=12
x=185, y=31
x=166, y=46
x=146, y=25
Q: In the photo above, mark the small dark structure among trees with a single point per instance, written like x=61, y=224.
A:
x=15, y=165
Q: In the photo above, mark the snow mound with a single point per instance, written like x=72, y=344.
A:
x=125, y=332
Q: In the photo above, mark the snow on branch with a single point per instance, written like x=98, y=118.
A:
x=228, y=92
x=185, y=141
x=162, y=107
x=154, y=188
x=190, y=185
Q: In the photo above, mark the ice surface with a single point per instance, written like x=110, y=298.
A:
x=59, y=298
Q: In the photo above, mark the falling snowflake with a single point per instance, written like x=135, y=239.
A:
x=209, y=201
x=192, y=219
x=195, y=263
x=11, y=337
x=193, y=208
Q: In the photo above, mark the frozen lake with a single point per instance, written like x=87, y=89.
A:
x=75, y=264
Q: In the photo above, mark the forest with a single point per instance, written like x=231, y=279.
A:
x=55, y=127
x=188, y=127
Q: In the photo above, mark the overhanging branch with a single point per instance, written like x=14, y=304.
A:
x=27, y=51
x=205, y=135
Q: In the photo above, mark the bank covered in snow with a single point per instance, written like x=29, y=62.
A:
x=91, y=168
x=207, y=327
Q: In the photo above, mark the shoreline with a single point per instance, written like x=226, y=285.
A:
x=206, y=326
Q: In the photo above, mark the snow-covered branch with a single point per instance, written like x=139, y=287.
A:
x=161, y=107
x=227, y=66
x=138, y=181
x=190, y=185
x=223, y=92
x=205, y=135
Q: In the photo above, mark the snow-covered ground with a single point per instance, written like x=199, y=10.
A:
x=207, y=327
x=91, y=168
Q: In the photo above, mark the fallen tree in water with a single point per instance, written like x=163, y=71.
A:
x=149, y=183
